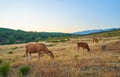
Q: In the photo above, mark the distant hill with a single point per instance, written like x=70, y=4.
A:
x=113, y=33
x=95, y=31
x=10, y=36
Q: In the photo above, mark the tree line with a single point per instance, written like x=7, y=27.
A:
x=10, y=36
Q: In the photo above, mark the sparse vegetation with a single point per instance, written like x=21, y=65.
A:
x=14, y=48
x=58, y=40
x=10, y=52
x=51, y=45
x=76, y=57
x=1, y=60
x=24, y=70
x=67, y=62
x=4, y=68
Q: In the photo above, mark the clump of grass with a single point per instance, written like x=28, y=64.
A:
x=14, y=48
x=23, y=55
x=1, y=61
x=55, y=41
x=76, y=56
x=10, y=52
x=51, y=45
x=4, y=68
x=24, y=70
x=63, y=40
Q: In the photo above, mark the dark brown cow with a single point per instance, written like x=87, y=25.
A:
x=83, y=45
x=95, y=40
x=37, y=48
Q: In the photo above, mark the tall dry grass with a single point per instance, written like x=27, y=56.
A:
x=68, y=61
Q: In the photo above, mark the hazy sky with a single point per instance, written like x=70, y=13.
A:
x=59, y=15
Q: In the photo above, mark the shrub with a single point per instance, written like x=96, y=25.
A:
x=1, y=61
x=14, y=48
x=4, y=68
x=10, y=52
x=23, y=55
x=24, y=70
x=76, y=56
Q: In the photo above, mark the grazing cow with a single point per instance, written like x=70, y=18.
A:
x=38, y=48
x=83, y=45
x=95, y=40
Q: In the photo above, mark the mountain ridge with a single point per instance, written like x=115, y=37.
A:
x=94, y=31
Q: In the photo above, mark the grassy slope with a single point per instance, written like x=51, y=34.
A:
x=68, y=62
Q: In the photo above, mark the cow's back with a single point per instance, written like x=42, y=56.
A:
x=83, y=45
x=33, y=48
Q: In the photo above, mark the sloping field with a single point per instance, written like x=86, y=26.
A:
x=68, y=61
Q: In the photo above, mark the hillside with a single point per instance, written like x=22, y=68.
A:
x=113, y=33
x=68, y=61
x=95, y=31
x=10, y=36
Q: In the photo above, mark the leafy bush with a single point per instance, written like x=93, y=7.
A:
x=10, y=52
x=24, y=70
x=1, y=61
x=4, y=68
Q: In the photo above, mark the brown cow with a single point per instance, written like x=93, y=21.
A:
x=83, y=45
x=95, y=40
x=37, y=48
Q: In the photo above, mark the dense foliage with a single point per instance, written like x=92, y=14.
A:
x=10, y=36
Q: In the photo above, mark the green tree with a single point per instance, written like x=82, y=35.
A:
x=37, y=39
x=12, y=40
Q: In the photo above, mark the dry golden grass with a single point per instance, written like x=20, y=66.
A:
x=68, y=61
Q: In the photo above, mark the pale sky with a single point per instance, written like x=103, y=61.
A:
x=59, y=15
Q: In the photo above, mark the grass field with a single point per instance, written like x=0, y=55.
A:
x=68, y=61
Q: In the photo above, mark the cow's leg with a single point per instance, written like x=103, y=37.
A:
x=83, y=49
x=78, y=48
x=26, y=56
x=30, y=57
x=38, y=55
x=26, y=59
